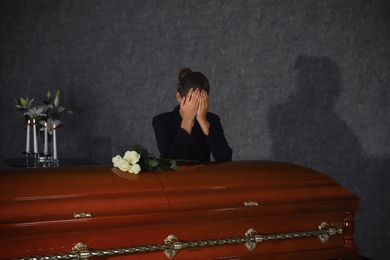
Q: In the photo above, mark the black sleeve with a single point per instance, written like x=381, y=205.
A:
x=171, y=144
x=217, y=142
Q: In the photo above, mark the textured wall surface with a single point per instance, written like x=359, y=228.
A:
x=304, y=81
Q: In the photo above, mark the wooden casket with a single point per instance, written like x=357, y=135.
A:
x=234, y=210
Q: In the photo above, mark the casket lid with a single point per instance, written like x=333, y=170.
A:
x=58, y=193
x=47, y=193
x=248, y=183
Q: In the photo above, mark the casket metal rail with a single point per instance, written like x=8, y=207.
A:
x=172, y=245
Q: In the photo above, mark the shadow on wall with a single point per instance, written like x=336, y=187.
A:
x=306, y=130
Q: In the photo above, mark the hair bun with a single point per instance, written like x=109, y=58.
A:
x=183, y=72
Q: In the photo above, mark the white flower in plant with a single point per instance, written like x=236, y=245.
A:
x=35, y=112
x=50, y=125
x=135, y=168
x=61, y=109
x=46, y=108
x=132, y=157
x=123, y=165
x=116, y=160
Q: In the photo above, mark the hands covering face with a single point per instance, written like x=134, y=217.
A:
x=194, y=105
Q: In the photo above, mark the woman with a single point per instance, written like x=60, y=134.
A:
x=190, y=132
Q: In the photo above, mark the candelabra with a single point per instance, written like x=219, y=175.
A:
x=46, y=158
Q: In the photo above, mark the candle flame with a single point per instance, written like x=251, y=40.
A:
x=28, y=122
x=54, y=126
x=34, y=121
x=45, y=124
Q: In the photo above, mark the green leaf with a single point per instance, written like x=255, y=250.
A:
x=173, y=165
x=153, y=163
x=141, y=150
x=23, y=102
x=57, y=93
x=48, y=95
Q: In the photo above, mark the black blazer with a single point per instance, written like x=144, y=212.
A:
x=175, y=143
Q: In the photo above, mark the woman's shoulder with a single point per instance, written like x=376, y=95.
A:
x=171, y=115
x=212, y=116
x=163, y=116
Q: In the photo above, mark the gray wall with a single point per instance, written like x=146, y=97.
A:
x=302, y=81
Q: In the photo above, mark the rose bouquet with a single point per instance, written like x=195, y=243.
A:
x=139, y=160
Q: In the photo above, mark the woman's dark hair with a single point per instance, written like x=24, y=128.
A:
x=189, y=79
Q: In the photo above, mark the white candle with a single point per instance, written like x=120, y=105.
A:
x=45, y=148
x=35, y=137
x=54, y=143
x=28, y=137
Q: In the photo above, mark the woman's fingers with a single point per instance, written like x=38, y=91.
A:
x=202, y=107
x=204, y=99
x=193, y=97
x=206, y=96
x=195, y=94
x=201, y=102
x=189, y=95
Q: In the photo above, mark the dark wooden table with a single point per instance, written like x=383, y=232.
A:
x=22, y=162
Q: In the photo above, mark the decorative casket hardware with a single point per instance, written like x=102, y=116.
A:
x=82, y=215
x=238, y=210
x=172, y=245
x=80, y=249
x=251, y=203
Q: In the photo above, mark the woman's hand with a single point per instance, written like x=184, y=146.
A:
x=188, y=109
x=203, y=107
x=201, y=113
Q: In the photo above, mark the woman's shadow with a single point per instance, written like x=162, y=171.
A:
x=306, y=130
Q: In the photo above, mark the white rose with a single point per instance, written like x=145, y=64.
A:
x=132, y=157
x=116, y=160
x=135, y=168
x=123, y=165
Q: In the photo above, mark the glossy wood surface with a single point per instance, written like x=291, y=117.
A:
x=222, y=185
x=56, y=191
x=197, y=202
